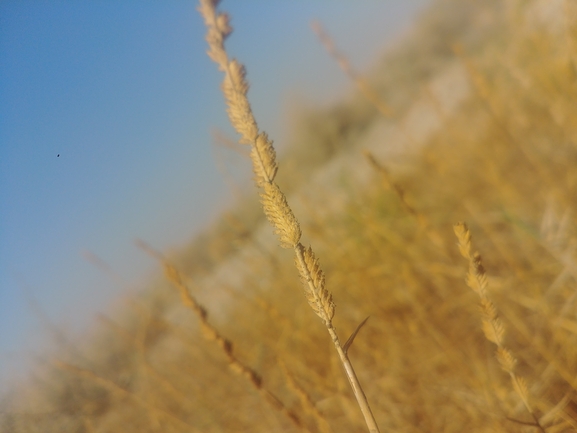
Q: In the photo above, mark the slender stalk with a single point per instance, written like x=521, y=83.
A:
x=345, y=361
x=355, y=384
x=274, y=202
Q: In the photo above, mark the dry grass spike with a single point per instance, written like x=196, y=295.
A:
x=319, y=298
x=280, y=215
x=275, y=205
x=493, y=327
x=263, y=158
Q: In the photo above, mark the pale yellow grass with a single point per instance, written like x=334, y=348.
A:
x=503, y=160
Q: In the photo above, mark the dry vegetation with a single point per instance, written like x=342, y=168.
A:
x=243, y=352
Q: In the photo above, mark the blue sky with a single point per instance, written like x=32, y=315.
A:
x=106, y=112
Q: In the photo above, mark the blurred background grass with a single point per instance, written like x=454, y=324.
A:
x=484, y=129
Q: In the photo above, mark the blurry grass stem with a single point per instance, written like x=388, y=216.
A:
x=211, y=333
x=364, y=87
x=493, y=327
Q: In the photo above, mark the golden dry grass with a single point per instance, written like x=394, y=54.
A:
x=504, y=161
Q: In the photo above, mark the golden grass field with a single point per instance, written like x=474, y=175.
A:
x=480, y=126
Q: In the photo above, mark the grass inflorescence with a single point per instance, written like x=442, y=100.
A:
x=481, y=128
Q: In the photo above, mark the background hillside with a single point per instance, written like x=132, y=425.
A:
x=481, y=128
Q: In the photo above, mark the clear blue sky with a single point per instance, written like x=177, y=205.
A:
x=124, y=92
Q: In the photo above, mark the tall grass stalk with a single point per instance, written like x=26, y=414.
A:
x=493, y=327
x=275, y=205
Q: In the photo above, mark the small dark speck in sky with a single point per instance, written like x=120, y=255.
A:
x=58, y=156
